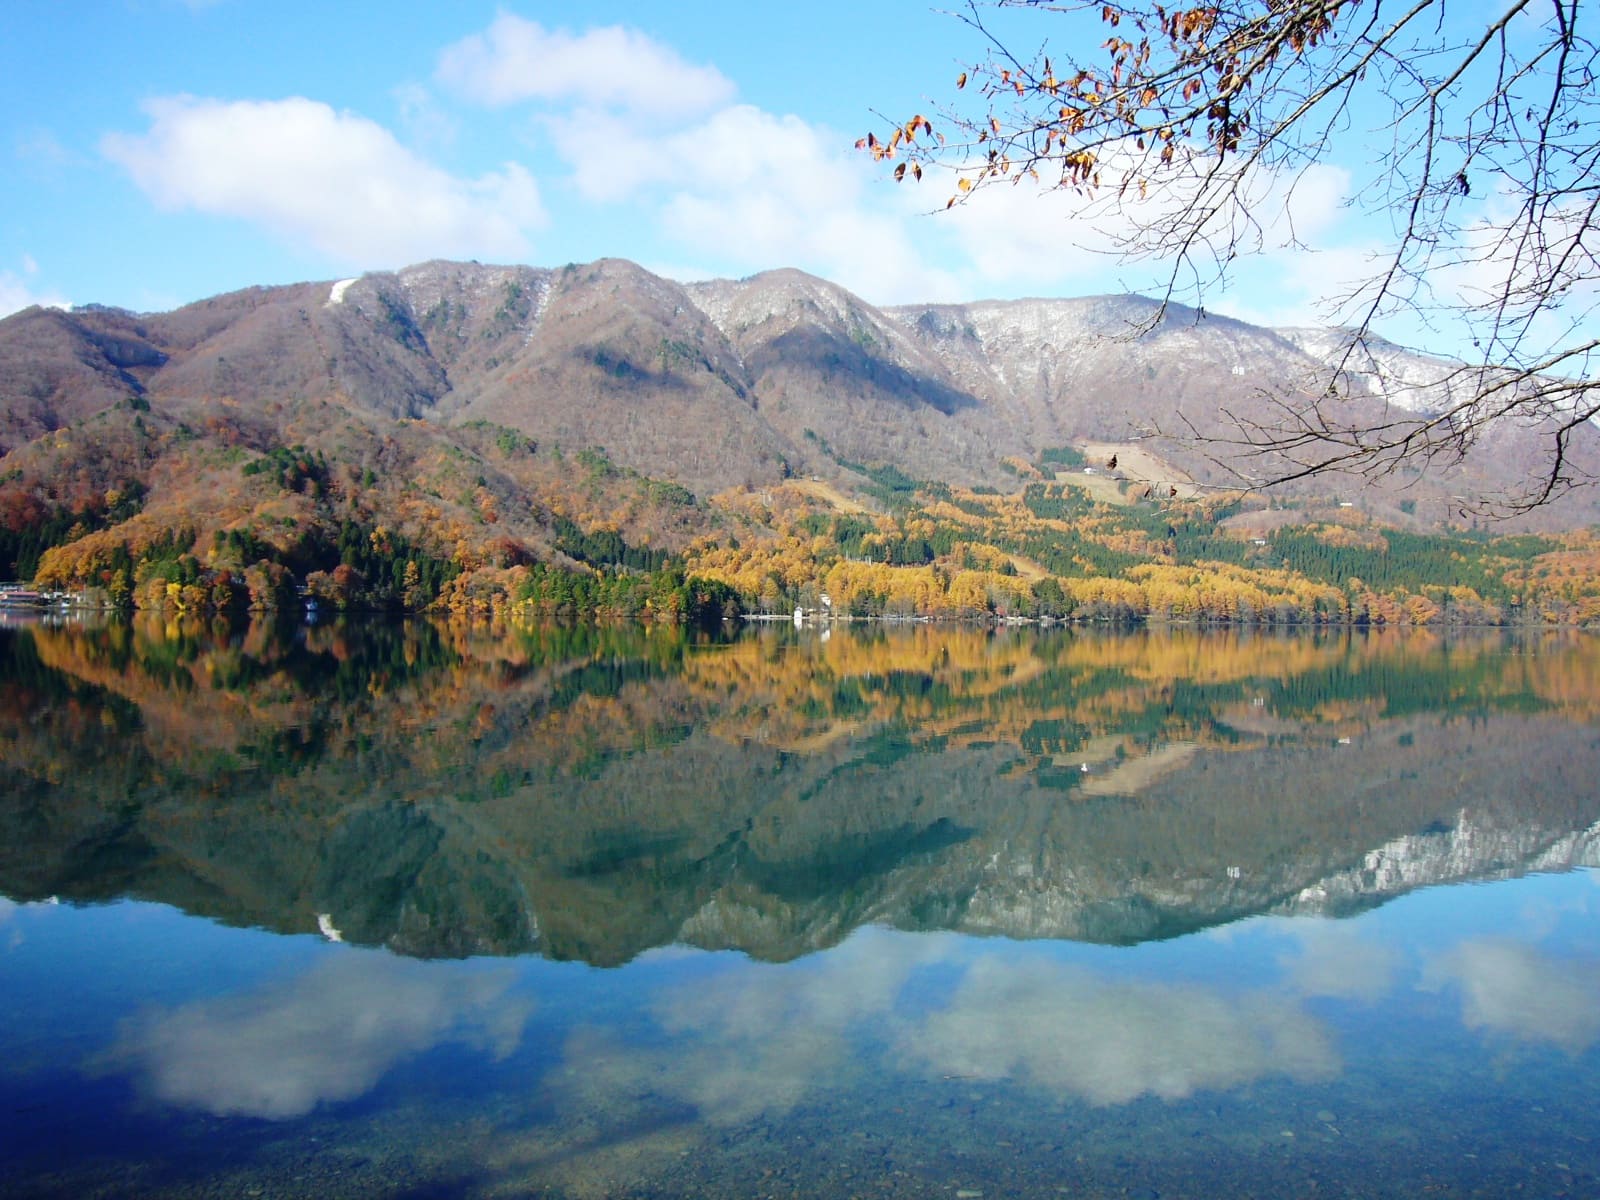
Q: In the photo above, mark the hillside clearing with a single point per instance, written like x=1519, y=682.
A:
x=822, y=490
x=1136, y=468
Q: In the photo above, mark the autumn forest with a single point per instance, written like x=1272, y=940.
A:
x=294, y=524
x=596, y=442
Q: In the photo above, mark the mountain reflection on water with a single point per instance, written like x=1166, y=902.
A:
x=589, y=794
x=957, y=864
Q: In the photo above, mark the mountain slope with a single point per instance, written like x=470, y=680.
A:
x=733, y=383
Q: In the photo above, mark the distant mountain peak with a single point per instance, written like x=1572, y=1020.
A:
x=729, y=382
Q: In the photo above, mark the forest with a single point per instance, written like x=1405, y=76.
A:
x=1049, y=551
x=130, y=510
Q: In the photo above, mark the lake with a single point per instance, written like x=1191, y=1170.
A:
x=414, y=910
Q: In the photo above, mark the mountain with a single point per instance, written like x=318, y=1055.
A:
x=597, y=793
x=510, y=440
x=727, y=383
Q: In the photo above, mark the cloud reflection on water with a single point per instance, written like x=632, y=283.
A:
x=1514, y=989
x=1071, y=1030
x=8, y=910
x=764, y=1040
x=1339, y=961
x=327, y=1035
x=759, y=1038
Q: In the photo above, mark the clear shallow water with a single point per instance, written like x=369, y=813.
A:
x=786, y=918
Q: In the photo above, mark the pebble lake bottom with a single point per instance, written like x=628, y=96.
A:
x=1441, y=1045
x=588, y=913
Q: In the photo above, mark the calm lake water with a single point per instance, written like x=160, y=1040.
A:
x=405, y=911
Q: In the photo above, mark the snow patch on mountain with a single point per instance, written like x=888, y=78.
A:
x=1405, y=378
x=1471, y=850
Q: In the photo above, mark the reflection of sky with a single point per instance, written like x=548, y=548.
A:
x=764, y=1039
x=1109, y=1041
x=1519, y=991
x=229, y=1021
x=1339, y=960
x=13, y=936
x=760, y=1038
x=1292, y=999
x=10, y=909
x=324, y=1035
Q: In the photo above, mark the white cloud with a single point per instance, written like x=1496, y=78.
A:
x=1028, y=234
x=18, y=291
x=864, y=250
x=422, y=119
x=1524, y=289
x=739, y=149
x=1310, y=206
x=1446, y=301
x=743, y=189
x=330, y=181
x=517, y=60
x=749, y=190
x=326, y=1036
x=728, y=184
x=41, y=152
x=1019, y=236
x=1289, y=286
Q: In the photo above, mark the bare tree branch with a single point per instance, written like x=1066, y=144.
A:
x=1172, y=128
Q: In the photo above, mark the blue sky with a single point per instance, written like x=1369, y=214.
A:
x=161, y=151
